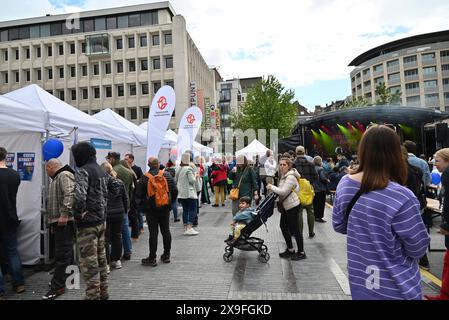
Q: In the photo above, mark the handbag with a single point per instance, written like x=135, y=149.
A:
x=234, y=193
x=280, y=203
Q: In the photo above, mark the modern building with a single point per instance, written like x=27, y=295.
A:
x=417, y=66
x=113, y=58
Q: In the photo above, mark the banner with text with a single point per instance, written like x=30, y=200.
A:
x=188, y=129
x=161, y=111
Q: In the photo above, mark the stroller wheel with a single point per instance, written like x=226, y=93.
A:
x=264, y=257
x=227, y=257
x=229, y=249
x=264, y=248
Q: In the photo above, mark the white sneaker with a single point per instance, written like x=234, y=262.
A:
x=108, y=269
x=191, y=232
x=118, y=264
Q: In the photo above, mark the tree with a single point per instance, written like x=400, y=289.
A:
x=267, y=107
x=356, y=102
x=385, y=96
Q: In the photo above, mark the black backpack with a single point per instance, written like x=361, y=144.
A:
x=416, y=184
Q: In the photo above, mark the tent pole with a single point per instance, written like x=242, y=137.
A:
x=44, y=228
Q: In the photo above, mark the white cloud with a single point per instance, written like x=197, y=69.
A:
x=309, y=40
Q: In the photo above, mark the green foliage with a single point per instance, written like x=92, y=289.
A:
x=356, y=102
x=385, y=96
x=267, y=107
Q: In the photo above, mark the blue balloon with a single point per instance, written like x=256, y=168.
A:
x=436, y=178
x=52, y=148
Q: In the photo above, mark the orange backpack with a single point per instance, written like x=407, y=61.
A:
x=158, y=188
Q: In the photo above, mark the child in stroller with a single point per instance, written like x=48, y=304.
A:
x=241, y=239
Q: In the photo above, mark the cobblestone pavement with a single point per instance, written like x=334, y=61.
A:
x=197, y=270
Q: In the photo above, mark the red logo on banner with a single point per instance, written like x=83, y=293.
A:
x=191, y=118
x=162, y=103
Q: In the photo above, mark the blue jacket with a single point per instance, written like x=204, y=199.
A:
x=245, y=216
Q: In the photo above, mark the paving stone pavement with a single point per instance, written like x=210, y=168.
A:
x=197, y=270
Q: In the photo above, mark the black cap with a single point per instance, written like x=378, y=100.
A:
x=113, y=155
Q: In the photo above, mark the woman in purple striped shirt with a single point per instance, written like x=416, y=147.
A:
x=385, y=233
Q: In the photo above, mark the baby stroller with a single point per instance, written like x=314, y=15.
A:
x=247, y=243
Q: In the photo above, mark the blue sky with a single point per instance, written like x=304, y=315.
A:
x=307, y=46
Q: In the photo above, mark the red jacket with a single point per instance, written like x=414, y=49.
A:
x=219, y=173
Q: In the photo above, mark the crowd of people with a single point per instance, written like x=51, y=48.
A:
x=380, y=200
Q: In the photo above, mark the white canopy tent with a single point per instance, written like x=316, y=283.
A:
x=255, y=148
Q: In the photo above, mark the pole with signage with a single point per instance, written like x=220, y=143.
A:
x=188, y=129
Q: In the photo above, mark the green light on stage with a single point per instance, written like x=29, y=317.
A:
x=345, y=131
x=327, y=143
x=408, y=131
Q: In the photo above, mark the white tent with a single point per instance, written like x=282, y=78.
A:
x=253, y=149
x=171, y=138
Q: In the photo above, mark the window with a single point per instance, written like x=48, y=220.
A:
x=27, y=53
x=17, y=54
x=97, y=44
x=83, y=47
x=88, y=25
x=4, y=36
x=119, y=43
x=96, y=69
x=432, y=98
x=446, y=96
x=357, y=76
x=145, y=90
x=366, y=72
x=133, y=112
x=96, y=93
x=131, y=66
x=61, y=73
x=155, y=39
x=429, y=70
x=34, y=32
x=379, y=80
x=121, y=112
x=145, y=112
x=84, y=70
x=167, y=38
x=414, y=85
x=394, y=77
x=44, y=30
x=49, y=51
x=111, y=23
x=146, y=19
x=39, y=74
x=73, y=71
x=107, y=68
x=50, y=74
x=131, y=43
x=413, y=100
x=85, y=94
x=56, y=30
x=395, y=89
x=367, y=83
x=143, y=41
x=28, y=75
x=430, y=84
x=6, y=55
x=100, y=24
x=392, y=64
x=412, y=72
x=156, y=86
x=72, y=48
x=144, y=65
x=38, y=52
x=108, y=92
x=61, y=49
x=6, y=77
x=378, y=68
x=120, y=90
x=119, y=67
x=73, y=93
x=428, y=56
x=169, y=62
x=170, y=83
x=410, y=59
x=122, y=21
x=134, y=20
x=132, y=90
x=61, y=95
x=445, y=67
x=156, y=63
x=444, y=53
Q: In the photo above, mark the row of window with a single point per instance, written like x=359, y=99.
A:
x=132, y=112
x=107, y=91
x=137, y=19
x=95, y=70
x=406, y=60
x=60, y=47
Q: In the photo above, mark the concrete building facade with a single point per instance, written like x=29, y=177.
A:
x=113, y=58
x=416, y=66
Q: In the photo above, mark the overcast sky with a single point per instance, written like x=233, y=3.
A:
x=306, y=44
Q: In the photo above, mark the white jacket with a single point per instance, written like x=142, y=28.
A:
x=288, y=187
x=270, y=167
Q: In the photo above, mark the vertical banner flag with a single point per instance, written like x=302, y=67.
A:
x=161, y=111
x=188, y=129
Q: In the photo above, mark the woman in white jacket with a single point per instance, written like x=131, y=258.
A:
x=288, y=198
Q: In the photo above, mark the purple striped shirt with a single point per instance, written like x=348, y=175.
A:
x=385, y=238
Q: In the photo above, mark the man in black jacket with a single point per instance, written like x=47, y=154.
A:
x=157, y=217
x=9, y=223
x=91, y=194
x=307, y=171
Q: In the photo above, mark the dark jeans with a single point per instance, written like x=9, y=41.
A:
x=64, y=238
x=9, y=244
x=134, y=224
x=114, y=245
x=155, y=220
x=290, y=227
x=188, y=210
x=319, y=203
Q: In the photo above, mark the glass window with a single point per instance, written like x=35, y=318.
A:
x=378, y=68
x=134, y=20
x=5, y=57
x=111, y=23
x=72, y=48
x=50, y=74
x=133, y=112
x=132, y=90
x=156, y=86
x=28, y=75
x=394, y=76
x=100, y=24
x=122, y=21
x=88, y=25
x=411, y=72
x=445, y=67
x=61, y=95
x=45, y=30
x=73, y=71
x=428, y=56
x=155, y=17
x=379, y=80
x=39, y=74
x=366, y=72
x=143, y=41
x=131, y=65
x=145, y=112
x=156, y=63
x=120, y=91
x=170, y=83
x=431, y=83
x=6, y=77
x=83, y=47
x=131, y=43
x=107, y=68
x=17, y=76
x=96, y=93
x=444, y=53
x=24, y=32
x=56, y=29
x=61, y=73
x=61, y=49
x=413, y=99
x=156, y=40
x=169, y=62
x=85, y=94
x=145, y=88
x=410, y=59
x=96, y=70
x=108, y=92
x=38, y=52
x=146, y=19
x=434, y=97
x=119, y=67
x=119, y=43
x=414, y=85
x=4, y=35
x=144, y=65
x=73, y=92
x=168, y=38
x=27, y=53
x=121, y=112
x=13, y=34
x=84, y=70
x=35, y=31
x=17, y=54
x=49, y=51
x=66, y=30
x=394, y=63
x=97, y=44
x=429, y=70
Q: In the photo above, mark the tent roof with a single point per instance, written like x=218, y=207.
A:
x=15, y=116
x=254, y=148
x=113, y=118
x=63, y=118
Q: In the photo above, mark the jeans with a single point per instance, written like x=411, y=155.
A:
x=188, y=210
x=174, y=208
x=140, y=218
x=114, y=246
x=126, y=237
x=64, y=238
x=9, y=243
x=159, y=219
x=290, y=227
x=134, y=224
